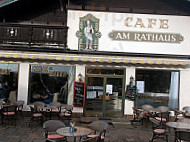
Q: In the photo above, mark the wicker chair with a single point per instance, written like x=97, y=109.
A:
x=35, y=115
x=50, y=128
x=137, y=116
x=9, y=114
x=159, y=130
x=182, y=135
x=178, y=115
x=66, y=113
x=56, y=107
x=19, y=105
x=146, y=112
x=99, y=128
x=163, y=117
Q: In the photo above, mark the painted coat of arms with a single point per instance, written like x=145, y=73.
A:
x=88, y=33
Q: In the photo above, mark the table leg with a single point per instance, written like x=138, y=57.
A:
x=75, y=139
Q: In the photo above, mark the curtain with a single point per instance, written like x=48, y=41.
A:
x=173, y=93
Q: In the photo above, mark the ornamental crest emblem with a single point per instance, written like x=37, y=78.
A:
x=88, y=33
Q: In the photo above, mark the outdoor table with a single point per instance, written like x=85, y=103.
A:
x=80, y=131
x=178, y=125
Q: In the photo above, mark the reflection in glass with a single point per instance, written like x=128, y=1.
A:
x=160, y=88
x=94, y=96
x=114, y=97
x=50, y=83
x=8, y=82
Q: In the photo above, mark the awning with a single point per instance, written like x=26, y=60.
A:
x=6, y=2
x=91, y=58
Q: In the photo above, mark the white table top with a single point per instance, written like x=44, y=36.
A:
x=80, y=131
x=178, y=125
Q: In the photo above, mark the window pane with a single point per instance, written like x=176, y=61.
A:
x=109, y=71
x=160, y=88
x=50, y=83
x=8, y=82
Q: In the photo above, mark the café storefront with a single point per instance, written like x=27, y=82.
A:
x=107, y=49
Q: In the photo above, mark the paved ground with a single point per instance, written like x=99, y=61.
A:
x=122, y=131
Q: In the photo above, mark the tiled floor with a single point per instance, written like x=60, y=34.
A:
x=122, y=131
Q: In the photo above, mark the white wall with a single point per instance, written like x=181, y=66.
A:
x=23, y=83
x=184, y=94
x=130, y=71
x=79, y=69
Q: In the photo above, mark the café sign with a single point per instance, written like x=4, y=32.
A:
x=126, y=32
x=146, y=37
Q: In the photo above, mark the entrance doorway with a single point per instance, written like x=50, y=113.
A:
x=105, y=93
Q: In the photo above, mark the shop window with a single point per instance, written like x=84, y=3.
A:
x=8, y=82
x=109, y=71
x=50, y=83
x=157, y=87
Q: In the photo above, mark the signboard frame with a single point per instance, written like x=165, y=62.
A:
x=84, y=94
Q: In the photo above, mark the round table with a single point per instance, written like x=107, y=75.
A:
x=80, y=131
x=178, y=125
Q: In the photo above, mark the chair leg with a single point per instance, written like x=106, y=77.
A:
x=31, y=121
x=166, y=138
x=153, y=137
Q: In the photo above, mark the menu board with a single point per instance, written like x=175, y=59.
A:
x=79, y=94
x=131, y=92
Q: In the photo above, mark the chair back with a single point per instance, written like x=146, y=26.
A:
x=98, y=125
x=154, y=122
x=182, y=135
x=38, y=103
x=9, y=108
x=162, y=109
x=2, y=102
x=18, y=103
x=164, y=115
x=147, y=107
x=56, y=104
x=53, y=125
x=186, y=108
x=33, y=109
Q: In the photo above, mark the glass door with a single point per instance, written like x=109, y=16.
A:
x=105, y=92
x=94, y=96
x=113, y=97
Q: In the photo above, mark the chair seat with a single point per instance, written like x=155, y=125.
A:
x=180, y=117
x=147, y=113
x=94, y=135
x=37, y=114
x=55, y=136
x=160, y=131
x=55, y=110
x=65, y=114
x=161, y=119
x=9, y=113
